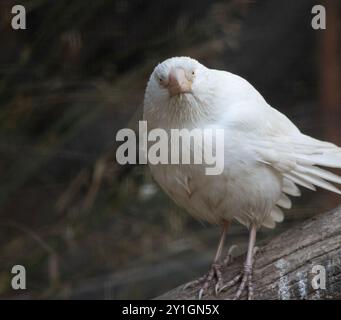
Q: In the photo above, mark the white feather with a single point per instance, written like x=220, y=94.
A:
x=277, y=214
x=284, y=202
x=265, y=153
x=293, y=177
x=290, y=188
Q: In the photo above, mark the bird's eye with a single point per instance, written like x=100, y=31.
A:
x=160, y=80
x=193, y=73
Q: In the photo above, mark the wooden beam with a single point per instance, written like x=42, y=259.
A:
x=284, y=267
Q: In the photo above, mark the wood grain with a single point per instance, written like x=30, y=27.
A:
x=283, y=267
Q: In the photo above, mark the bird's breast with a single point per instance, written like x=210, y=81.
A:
x=242, y=192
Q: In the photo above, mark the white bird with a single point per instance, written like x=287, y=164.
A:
x=265, y=154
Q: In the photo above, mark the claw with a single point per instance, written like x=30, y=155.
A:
x=231, y=283
x=193, y=283
x=229, y=257
x=254, y=252
x=216, y=289
x=231, y=249
x=246, y=282
x=246, y=274
x=201, y=292
x=214, y=275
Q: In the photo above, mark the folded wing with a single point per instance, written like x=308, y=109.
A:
x=278, y=143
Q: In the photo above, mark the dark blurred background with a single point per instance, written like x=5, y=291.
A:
x=86, y=227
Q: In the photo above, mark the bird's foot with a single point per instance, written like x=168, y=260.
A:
x=213, y=277
x=245, y=279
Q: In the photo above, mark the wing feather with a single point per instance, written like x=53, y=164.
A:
x=278, y=143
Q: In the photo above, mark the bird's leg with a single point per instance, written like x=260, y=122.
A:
x=214, y=273
x=246, y=274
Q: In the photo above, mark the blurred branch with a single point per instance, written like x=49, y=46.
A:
x=33, y=235
x=97, y=177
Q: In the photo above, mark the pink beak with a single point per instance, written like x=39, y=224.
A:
x=177, y=82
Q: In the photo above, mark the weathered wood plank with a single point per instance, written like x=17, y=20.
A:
x=284, y=267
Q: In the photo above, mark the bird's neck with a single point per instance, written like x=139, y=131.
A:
x=187, y=111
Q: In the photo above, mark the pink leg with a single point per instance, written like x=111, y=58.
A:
x=246, y=274
x=214, y=273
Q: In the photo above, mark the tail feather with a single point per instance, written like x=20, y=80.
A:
x=302, y=182
x=299, y=162
x=311, y=153
x=316, y=171
x=269, y=223
x=316, y=152
x=332, y=160
x=290, y=188
x=317, y=181
x=276, y=215
x=284, y=202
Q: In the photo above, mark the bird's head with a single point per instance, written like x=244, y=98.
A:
x=178, y=87
x=177, y=76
